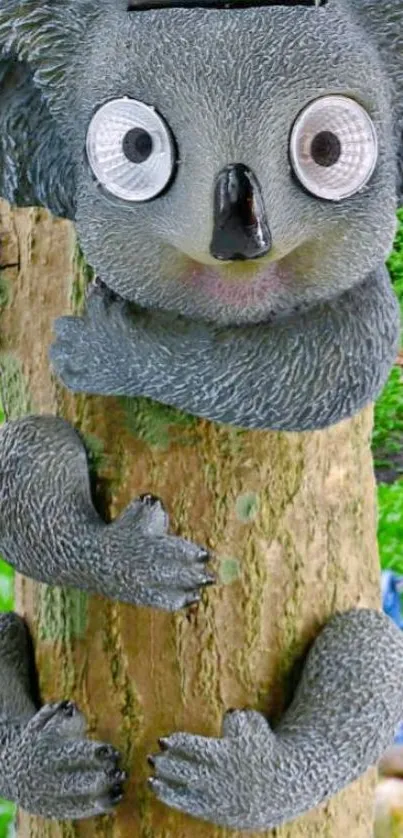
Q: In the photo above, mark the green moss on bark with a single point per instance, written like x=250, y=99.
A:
x=14, y=391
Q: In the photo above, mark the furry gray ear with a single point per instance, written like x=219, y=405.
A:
x=48, y=36
x=35, y=169
x=39, y=40
x=383, y=19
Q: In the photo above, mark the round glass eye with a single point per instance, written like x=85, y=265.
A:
x=333, y=147
x=130, y=150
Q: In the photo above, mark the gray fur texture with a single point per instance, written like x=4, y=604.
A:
x=47, y=765
x=346, y=709
x=50, y=530
x=297, y=350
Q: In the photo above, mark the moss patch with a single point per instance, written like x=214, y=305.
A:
x=157, y=424
x=95, y=451
x=229, y=570
x=83, y=276
x=14, y=392
x=247, y=507
x=62, y=613
x=5, y=292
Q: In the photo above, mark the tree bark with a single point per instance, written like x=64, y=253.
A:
x=289, y=517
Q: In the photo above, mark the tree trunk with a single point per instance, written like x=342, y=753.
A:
x=290, y=518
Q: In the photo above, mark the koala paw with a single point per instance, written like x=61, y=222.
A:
x=91, y=351
x=150, y=567
x=229, y=782
x=53, y=771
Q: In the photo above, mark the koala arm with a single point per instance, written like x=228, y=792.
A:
x=344, y=714
x=50, y=530
x=47, y=765
x=301, y=373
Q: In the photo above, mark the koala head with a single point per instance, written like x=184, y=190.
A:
x=232, y=162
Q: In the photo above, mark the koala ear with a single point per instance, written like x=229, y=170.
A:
x=38, y=43
x=383, y=20
x=35, y=169
x=48, y=36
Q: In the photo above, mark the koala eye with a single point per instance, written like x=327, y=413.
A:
x=130, y=149
x=333, y=147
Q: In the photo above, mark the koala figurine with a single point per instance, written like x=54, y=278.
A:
x=233, y=172
x=233, y=175
x=47, y=766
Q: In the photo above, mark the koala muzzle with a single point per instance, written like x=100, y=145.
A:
x=240, y=230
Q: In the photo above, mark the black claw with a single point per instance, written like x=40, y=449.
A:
x=204, y=556
x=107, y=752
x=210, y=580
x=68, y=708
x=97, y=282
x=99, y=286
x=117, y=774
x=163, y=743
x=151, y=761
x=116, y=793
x=194, y=599
x=149, y=500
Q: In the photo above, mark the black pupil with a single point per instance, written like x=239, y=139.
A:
x=326, y=148
x=137, y=145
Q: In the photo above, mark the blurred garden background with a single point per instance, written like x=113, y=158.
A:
x=387, y=447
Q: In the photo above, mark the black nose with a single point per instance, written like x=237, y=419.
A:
x=241, y=230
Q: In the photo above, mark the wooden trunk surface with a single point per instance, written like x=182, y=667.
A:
x=291, y=521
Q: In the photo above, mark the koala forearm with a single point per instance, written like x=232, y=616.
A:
x=50, y=530
x=343, y=716
x=346, y=709
x=302, y=374
x=47, y=517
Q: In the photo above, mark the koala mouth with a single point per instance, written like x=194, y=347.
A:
x=237, y=287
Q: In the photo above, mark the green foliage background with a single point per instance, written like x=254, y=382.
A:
x=7, y=810
x=388, y=437
x=387, y=444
